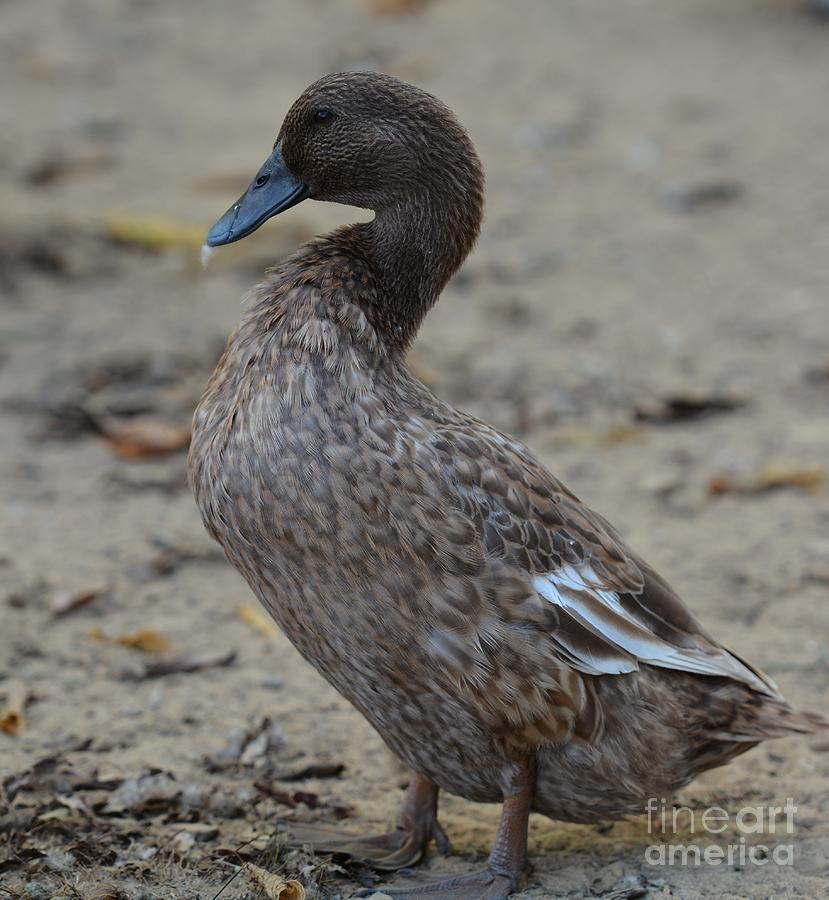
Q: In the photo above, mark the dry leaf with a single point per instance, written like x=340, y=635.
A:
x=154, y=234
x=173, y=665
x=69, y=602
x=152, y=792
x=776, y=475
x=685, y=407
x=48, y=775
x=200, y=831
x=309, y=798
x=274, y=886
x=313, y=770
x=246, y=746
x=143, y=436
x=769, y=478
x=183, y=842
x=615, y=434
x=12, y=720
x=146, y=639
x=253, y=615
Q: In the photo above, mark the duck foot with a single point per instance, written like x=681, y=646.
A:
x=507, y=872
x=417, y=826
x=486, y=885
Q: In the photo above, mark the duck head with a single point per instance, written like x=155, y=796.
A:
x=367, y=140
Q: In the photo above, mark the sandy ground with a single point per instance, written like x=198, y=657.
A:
x=657, y=230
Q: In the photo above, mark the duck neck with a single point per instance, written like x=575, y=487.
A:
x=415, y=247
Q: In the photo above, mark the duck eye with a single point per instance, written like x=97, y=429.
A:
x=262, y=179
x=323, y=115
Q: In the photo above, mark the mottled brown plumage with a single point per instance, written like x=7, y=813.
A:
x=498, y=634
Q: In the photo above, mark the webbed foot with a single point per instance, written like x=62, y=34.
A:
x=417, y=827
x=507, y=871
x=385, y=852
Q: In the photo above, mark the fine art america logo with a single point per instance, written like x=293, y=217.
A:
x=741, y=848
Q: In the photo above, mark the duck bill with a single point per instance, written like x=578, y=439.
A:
x=272, y=191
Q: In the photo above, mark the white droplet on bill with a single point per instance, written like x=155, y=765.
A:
x=206, y=252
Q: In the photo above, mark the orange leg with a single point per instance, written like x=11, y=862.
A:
x=507, y=869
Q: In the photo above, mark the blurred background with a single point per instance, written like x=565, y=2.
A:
x=647, y=308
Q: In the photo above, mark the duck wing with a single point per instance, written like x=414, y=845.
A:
x=607, y=611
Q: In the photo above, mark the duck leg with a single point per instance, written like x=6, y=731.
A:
x=507, y=869
x=417, y=826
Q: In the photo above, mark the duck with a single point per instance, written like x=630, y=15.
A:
x=500, y=636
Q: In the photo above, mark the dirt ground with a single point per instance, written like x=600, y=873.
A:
x=647, y=307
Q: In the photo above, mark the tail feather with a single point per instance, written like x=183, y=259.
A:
x=751, y=721
x=764, y=717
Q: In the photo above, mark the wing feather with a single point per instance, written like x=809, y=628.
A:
x=609, y=611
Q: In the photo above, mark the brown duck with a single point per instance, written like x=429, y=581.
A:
x=497, y=633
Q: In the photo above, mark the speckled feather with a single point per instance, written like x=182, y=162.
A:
x=466, y=602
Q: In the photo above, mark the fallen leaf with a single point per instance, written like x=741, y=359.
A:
x=151, y=793
x=247, y=850
x=146, y=639
x=154, y=234
x=774, y=476
x=16, y=820
x=176, y=664
x=247, y=746
x=72, y=601
x=201, y=832
x=143, y=436
x=55, y=815
x=75, y=804
x=46, y=776
x=274, y=885
x=255, y=750
x=615, y=434
x=12, y=720
x=685, y=407
x=24, y=854
x=314, y=770
x=283, y=796
x=311, y=800
x=253, y=615
x=183, y=842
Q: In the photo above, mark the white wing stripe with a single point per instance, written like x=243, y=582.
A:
x=575, y=590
